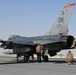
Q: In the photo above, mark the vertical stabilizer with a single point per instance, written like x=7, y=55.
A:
x=61, y=24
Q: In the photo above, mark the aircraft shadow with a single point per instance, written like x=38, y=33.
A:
x=53, y=60
x=15, y=62
x=59, y=61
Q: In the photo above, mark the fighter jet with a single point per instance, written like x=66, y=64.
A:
x=54, y=40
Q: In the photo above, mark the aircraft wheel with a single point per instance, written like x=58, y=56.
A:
x=26, y=58
x=45, y=58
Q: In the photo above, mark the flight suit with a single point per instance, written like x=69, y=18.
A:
x=69, y=58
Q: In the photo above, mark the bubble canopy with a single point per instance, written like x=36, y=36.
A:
x=13, y=36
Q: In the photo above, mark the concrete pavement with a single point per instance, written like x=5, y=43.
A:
x=55, y=66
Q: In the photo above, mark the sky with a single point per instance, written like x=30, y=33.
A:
x=32, y=17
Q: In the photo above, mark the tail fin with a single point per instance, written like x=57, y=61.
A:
x=61, y=24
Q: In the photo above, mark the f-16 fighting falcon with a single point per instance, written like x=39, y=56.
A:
x=54, y=40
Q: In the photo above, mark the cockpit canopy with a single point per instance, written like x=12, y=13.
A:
x=13, y=36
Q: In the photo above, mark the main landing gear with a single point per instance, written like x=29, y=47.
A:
x=25, y=58
x=45, y=58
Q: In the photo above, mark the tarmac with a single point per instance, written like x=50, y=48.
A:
x=55, y=66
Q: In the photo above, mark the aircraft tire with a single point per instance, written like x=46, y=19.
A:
x=26, y=58
x=45, y=58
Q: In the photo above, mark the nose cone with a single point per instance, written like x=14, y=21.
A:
x=8, y=52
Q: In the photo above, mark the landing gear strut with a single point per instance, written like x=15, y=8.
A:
x=25, y=58
x=17, y=57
